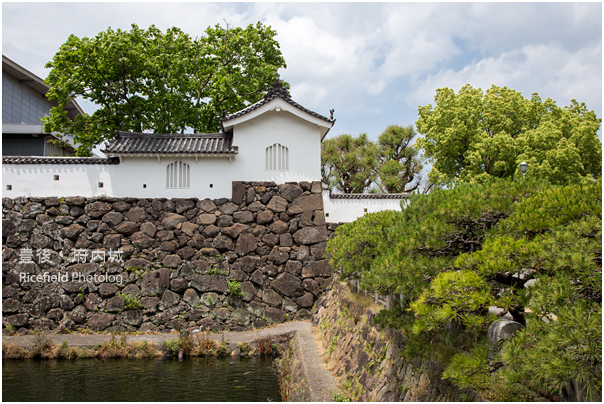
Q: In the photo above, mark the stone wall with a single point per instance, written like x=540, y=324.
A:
x=162, y=264
x=367, y=359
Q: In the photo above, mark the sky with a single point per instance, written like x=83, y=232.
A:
x=374, y=63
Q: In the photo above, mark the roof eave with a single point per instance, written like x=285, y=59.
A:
x=278, y=104
x=163, y=155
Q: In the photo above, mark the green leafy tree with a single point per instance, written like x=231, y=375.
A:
x=148, y=80
x=348, y=163
x=473, y=136
x=399, y=164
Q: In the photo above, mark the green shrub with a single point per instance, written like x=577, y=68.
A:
x=454, y=253
x=172, y=346
x=131, y=302
x=234, y=288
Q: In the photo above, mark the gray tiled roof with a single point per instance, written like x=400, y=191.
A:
x=369, y=196
x=57, y=160
x=276, y=91
x=167, y=143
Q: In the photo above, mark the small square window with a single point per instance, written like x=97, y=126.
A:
x=144, y=185
x=9, y=187
x=327, y=215
x=101, y=185
x=56, y=178
x=211, y=185
x=365, y=210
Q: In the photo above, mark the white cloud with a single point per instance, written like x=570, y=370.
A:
x=549, y=70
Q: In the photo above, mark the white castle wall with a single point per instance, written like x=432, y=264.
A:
x=209, y=177
x=348, y=210
x=73, y=180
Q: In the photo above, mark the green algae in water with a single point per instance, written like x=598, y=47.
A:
x=193, y=379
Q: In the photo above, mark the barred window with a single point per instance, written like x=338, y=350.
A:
x=178, y=175
x=277, y=157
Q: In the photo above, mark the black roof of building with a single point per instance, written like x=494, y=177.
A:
x=276, y=91
x=58, y=160
x=168, y=143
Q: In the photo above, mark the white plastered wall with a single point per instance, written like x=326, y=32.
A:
x=58, y=180
x=145, y=177
x=302, y=139
x=348, y=210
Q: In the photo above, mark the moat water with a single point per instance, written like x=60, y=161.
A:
x=192, y=379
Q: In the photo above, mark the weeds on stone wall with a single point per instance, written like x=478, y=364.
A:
x=266, y=346
x=284, y=367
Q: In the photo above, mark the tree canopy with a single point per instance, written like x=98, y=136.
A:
x=474, y=135
x=356, y=164
x=399, y=163
x=148, y=80
x=528, y=247
x=348, y=162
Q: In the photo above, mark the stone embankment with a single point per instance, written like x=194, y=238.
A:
x=126, y=264
x=367, y=361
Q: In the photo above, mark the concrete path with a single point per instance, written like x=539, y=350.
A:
x=89, y=340
x=320, y=380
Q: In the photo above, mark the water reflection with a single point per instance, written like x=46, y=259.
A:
x=193, y=379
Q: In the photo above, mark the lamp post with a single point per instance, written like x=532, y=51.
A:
x=523, y=166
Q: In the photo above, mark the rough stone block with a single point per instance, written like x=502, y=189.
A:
x=115, y=304
x=248, y=291
x=274, y=315
x=72, y=231
x=317, y=269
x=287, y=284
x=169, y=299
x=126, y=228
x=243, y=217
x=113, y=218
x=290, y=191
x=141, y=239
x=305, y=203
x=277, y=204
x=235, y=230
x=306, y=301
x=311, y=235
x=272, y=298
x=131, y=317
x=108, y=290
x=97, y=209
x=207, y=205
x=264, y=217
x=228, y=208
x=238, y=193
x=100, y=321
x=172, y=221
x=279, y=255
x=136, y=214
x=206, y=219
x=223, y=243
x=209, y=283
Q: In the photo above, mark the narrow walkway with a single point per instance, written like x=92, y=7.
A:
x=320, y=381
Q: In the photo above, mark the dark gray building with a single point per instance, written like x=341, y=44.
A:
x=24, y=103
